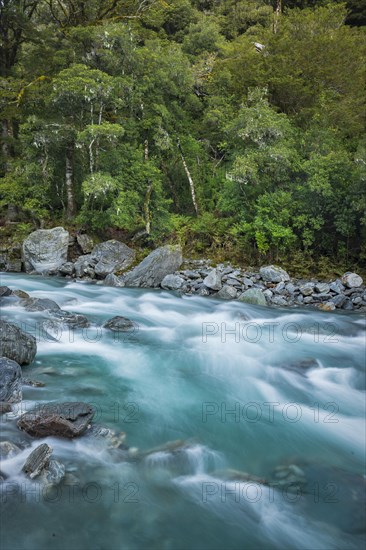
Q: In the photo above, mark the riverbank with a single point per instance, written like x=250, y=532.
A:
x=56, y=252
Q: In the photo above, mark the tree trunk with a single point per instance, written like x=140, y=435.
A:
x=147, y=215
x=69, y=181
x=277, y=15
x=191, y=182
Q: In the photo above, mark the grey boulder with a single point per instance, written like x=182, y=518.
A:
x=253, y=296
x=172, y=282
x=16, y=344
x=152, y=270
x=227, y=293
x=111, y=256
x=113, y=280
x=273, y=274
x=45, y=250
x=40, y=304
x=119, y=324
x=10, y=381
x=352, y=280
x=85, y=242
x=213, y=280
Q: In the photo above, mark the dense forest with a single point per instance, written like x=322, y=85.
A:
x=233, y=126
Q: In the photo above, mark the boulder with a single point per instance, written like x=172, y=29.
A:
x=45, y=250
x=5, y=407
x=40, y=304
x=352, y=280
x=152, y=270
x=253, y=296
x=66, y=318
x=33, y=383
x=85, y=242
x=337, y=287
x=67, y=420
x=338, y=300
x=84, y=266
x=37, y=460
x=16, y=344
x=172, y=282
x=67, y=268
x=119, y=324
x=5, y=291
x=10, y=381
x=227, y=293
x=21, y=294
x=322, y=288
x=213, y=280
x=111, y=256
x=273, y=274
x=307, y=289
x=113, y=280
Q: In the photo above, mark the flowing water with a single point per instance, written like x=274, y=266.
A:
x=245, y=389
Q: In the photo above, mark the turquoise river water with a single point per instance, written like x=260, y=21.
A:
x=252, y=393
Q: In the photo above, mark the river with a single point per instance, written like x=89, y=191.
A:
x=251, y=392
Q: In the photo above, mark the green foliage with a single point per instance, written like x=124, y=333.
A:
x=113, y=113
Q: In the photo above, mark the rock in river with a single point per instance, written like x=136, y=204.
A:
x=37, y=460
x=10, y=381
x=119, y=324
x=59, y=419
x=16, y=344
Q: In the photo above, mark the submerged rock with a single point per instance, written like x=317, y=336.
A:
x=68, y=420
x=8, y=449
x=74, y=320
x=238, y=475
x=45, y=250
x=152, y=270
x=40, y=304
x=302, y=365
x=5, y=407
x=119, y=324
x=106, y=436
x=16, y=344
x=33, y=383
x=10, y=381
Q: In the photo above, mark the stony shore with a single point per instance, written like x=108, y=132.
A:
x=55, y=252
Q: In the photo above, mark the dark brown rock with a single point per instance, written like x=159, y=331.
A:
x=68, y=420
